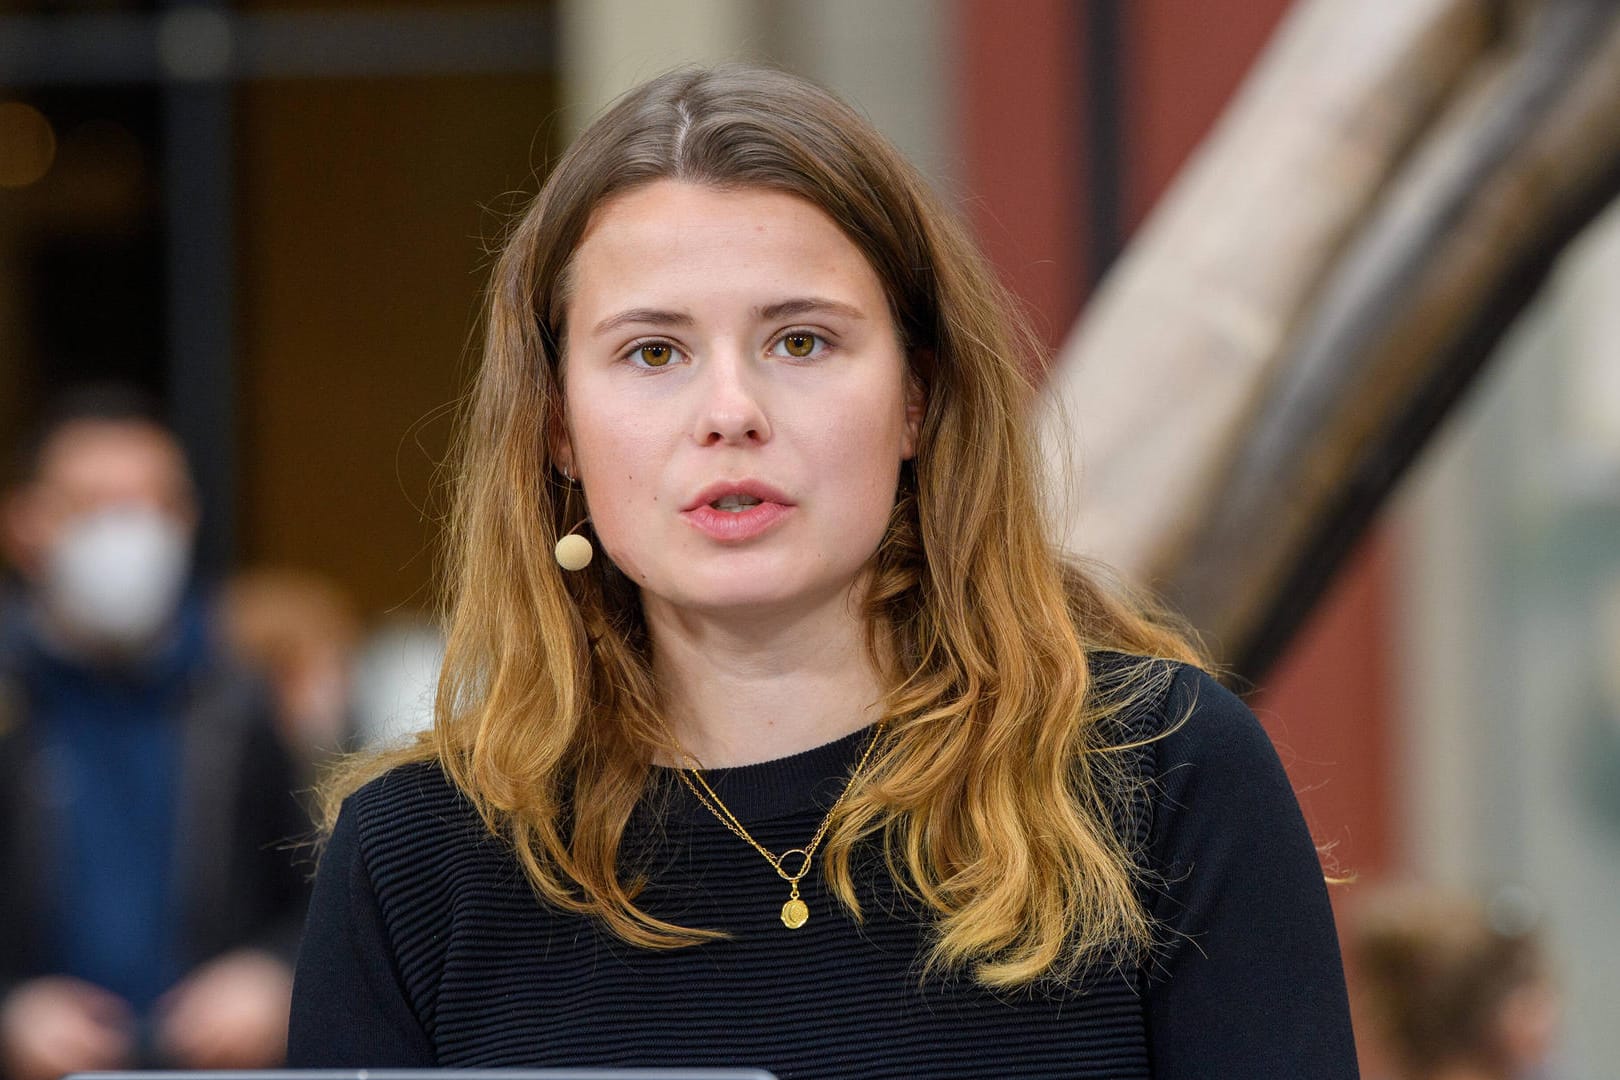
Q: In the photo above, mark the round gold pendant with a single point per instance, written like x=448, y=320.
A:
x=795, y=913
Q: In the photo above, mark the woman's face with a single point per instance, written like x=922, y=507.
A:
x=737, y=400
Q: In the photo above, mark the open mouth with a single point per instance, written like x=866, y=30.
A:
x=735, y=504
x=737, y=511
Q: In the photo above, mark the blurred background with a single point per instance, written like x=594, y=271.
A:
x=275, y=216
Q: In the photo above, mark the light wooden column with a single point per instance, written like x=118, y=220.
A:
x=609, y=46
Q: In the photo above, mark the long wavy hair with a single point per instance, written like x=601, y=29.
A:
x=992, y=790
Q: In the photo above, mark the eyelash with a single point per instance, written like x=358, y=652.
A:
x=650, y=343
x=819, y=348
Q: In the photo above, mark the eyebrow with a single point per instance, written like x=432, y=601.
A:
x=782, y=309
x=806, y=305
x=643, y=315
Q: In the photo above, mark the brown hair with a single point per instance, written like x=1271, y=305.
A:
x=990, y=793
x=1434, y=973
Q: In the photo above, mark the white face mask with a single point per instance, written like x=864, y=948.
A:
x=116, y=576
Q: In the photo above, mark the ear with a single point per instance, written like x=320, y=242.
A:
x=916, y=405
x=559, y=446
x=562, y=455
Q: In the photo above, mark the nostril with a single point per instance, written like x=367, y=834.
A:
x=735, y=423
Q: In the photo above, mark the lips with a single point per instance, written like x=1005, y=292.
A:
x=735, y=511
x=734, y=492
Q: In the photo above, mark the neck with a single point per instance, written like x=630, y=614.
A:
x=744, y=690
x=67, y=642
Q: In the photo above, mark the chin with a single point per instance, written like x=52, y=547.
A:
x=752, y=590
x=739, y=598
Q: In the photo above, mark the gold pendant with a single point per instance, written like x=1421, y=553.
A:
x=795, y=913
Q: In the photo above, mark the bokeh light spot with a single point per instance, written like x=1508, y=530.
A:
x=27, y=144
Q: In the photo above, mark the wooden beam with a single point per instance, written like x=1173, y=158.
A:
x=1311, y=295
x=1410, y=313
x=1168, y=358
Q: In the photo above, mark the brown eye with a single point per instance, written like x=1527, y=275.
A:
x=799, y=345
x=654, y=354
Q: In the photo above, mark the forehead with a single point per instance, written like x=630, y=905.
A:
x=97, y=459
x=692, y=241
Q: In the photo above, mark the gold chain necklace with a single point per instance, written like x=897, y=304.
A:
x=795, y=913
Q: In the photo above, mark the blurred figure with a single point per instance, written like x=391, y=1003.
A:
x=396, y=679
x=148, y=902
x=300, y=632
x=1450, y=990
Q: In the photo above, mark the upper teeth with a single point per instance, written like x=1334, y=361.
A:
x=734, y=503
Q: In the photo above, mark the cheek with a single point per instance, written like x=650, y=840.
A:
x=616, y=463
x=874, y=437
x=603, y=443
x=618, y=520
x=863, y=455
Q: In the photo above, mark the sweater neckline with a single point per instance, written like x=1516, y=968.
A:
x=809, y=781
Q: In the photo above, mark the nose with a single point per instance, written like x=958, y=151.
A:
x=732, y=409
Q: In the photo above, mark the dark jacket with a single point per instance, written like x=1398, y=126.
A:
x=239, y=826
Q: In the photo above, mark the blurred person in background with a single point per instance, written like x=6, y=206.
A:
x=148, y=900
x=300, y=632
x=395, y=677
x=1448, y=989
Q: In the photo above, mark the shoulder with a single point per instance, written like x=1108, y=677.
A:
x=409, y=813
x=406, y=834
x=1167, y=731
x=406, y=850
x=1182, y=711
x=227, y=720
x=1207, y=786
x=1213, y=748
x=1246, y=977
x=413, y=785
x=382, y=920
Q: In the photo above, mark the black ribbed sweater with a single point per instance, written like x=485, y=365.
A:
x=427, y=947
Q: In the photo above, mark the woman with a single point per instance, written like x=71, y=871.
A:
x=826, y=764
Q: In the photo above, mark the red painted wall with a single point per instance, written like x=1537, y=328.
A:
x=1020, y=134
x=1185, y=62
x=1328, y=707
